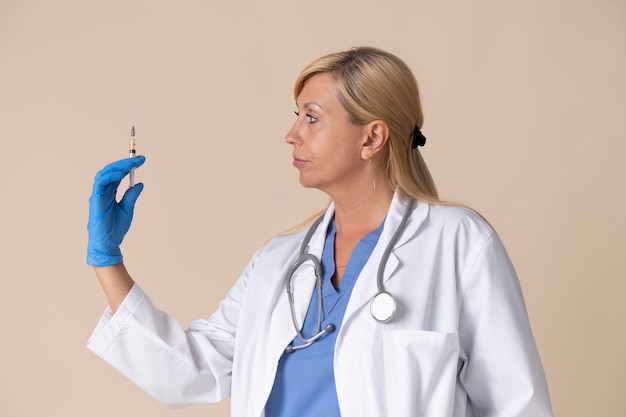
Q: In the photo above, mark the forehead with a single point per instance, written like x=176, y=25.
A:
x=321, y=89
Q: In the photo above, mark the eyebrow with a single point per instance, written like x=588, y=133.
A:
x=308, y=104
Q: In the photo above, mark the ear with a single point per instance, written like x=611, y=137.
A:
x=376, y=137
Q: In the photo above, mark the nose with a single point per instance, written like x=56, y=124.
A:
x=293, y=136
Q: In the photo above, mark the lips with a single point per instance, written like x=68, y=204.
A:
x=298, y=162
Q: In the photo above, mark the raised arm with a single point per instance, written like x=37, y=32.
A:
x=109, y=221
x=116, y=283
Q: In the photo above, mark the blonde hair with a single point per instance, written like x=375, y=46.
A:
x=377, y=85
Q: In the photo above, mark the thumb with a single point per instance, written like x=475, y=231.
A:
x=127, y=203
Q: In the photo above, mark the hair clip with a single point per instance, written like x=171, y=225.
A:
x=417, y=138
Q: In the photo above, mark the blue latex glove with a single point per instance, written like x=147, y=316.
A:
x=109, y=220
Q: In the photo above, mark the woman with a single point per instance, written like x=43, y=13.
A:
x=398, y=304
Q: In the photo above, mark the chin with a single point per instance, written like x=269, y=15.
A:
x=308, y=183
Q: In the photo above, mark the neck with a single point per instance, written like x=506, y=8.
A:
x=363, y=213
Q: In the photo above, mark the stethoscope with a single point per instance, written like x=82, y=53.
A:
x=382, y=306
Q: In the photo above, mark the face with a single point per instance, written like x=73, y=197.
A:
x=326, y=145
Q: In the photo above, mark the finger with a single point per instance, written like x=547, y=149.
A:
x=127, y=203
x=123, y=165
x=113, y=173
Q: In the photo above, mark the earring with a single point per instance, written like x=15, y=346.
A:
x=374, y=178
x=369, y=159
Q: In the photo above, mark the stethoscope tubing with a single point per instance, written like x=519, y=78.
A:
x=317, y=267
x=383, y=263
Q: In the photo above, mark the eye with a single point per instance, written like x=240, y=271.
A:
x=311, y=118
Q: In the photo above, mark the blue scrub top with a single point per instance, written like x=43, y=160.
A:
x=305, y=381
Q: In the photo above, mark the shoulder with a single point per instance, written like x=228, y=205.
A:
x=459, y=218
x=467, y=238
x=281, y=245
x=286, y=239
x=455, y=228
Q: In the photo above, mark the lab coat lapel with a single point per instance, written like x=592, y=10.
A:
x=366, y=286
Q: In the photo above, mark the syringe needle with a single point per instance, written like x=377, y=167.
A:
x=132, y=154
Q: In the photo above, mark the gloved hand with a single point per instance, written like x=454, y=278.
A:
x=109, y=220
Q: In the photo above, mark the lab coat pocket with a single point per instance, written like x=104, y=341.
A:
x=420, y=372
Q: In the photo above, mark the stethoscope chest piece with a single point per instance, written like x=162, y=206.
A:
x=383, y=307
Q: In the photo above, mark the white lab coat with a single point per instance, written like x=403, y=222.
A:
x=460, y=344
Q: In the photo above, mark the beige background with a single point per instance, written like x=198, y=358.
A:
x=525, y=120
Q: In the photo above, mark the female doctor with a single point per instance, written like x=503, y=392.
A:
x=392, y=303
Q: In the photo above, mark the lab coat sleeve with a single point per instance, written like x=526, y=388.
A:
x=502, y=372
x=178, y=367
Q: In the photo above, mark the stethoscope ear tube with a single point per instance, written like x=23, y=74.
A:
x=383, y=304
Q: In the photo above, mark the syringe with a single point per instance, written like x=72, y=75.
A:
x=132, y=155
